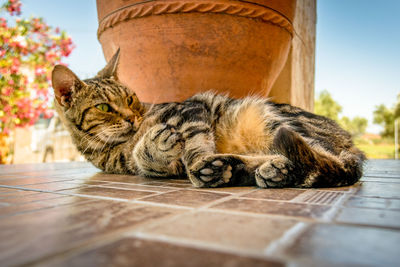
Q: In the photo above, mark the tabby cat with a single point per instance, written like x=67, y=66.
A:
x=212, y=139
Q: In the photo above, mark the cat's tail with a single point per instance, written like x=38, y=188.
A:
x=316, y=167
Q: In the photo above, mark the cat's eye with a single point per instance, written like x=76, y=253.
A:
x=130, y=100
x=104, y=107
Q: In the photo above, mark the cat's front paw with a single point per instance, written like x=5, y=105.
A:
x=214, y=170
x=167, y=139
x=274, y=173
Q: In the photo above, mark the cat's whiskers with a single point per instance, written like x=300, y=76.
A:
x=106, y=142
x=89, y=144
x=100, y=140
x=87, y=138
x=95, y=138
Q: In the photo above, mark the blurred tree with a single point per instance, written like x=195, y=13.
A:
x=385, y=116
x=356, y=126
x=326, y=106
x=29, y=48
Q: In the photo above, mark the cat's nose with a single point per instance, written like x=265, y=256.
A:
x=134, y=119
x=131, y=119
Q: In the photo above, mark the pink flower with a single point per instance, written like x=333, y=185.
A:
x=40, y=71
x=8, y=91
x=6, y=131
x=39, y=47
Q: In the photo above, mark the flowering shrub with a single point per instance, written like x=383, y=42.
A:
x=29, y=48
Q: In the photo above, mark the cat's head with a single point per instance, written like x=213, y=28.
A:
x=100, y=108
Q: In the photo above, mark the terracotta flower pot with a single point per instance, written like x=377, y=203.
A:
x=171, y=50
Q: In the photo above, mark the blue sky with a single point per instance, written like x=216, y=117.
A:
x=357, y=55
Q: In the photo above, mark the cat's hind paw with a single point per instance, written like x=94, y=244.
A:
x=214, y=170
x=274, y=173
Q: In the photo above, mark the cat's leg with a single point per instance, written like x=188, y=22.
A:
x=299, y=164
x=158, y=152
x=206, y=168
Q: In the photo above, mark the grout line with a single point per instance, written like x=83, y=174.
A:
x=286, y=240
x=332, y=212
x=155, y=194
x=224, y=199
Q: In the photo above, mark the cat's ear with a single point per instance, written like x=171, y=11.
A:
x=110, y=70
x=65, y=83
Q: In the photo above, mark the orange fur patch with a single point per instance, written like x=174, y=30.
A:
x=245, y=134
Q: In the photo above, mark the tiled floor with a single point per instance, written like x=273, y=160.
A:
x=70, y=214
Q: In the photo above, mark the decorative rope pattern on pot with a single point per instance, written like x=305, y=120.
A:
x=240, y=9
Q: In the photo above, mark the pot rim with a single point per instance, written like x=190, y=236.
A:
x=238, y=8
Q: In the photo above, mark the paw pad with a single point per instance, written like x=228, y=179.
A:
x=274, y=173
x=213, y=171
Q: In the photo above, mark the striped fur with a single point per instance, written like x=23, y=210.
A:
x=212, y=139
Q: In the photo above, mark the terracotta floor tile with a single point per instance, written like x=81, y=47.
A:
x=384, y=171
x=67, y=172
x=87, y=182
x=139, y=252
x=27, y=181
x=190, y=198
x=373, y=217
x=346, y=245
x=167, y=184
x=374, y=203
x=380, y=180
x=34, y=206
x=179, y=181
x=34, y=196
x=10, y=176
x=131, y=179
x=384, y=174
x=226, y=230
x=109, y=192
x=54, y=186
x=14, y=209
x=34, y=226
x=18, y=193
x=5, y=191
x=344, y=189
x=138, y=187
x=383, y=166
x=313, y=196
x=276, y=194
x=274, y=207
x=231, y=190
x=31, y=236
x=384, y=190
